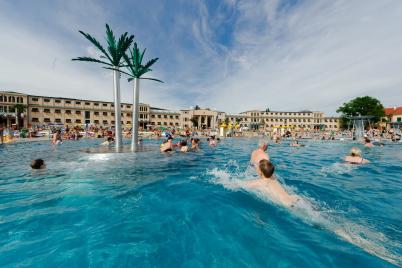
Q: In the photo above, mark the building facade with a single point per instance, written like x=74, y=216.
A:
x=42, y=110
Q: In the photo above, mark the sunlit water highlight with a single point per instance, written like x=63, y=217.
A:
x=191, y=210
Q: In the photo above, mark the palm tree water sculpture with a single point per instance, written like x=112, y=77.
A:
x=112, y=59
x=136, y=70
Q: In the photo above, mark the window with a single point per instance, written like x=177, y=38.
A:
x=104, y=113
x=77, y=120
x=77, y=112
x=159, y=116
x=165, y=116
x=96, y=104
x=141, y=116
x=57, y=120
x=128, y=122
x=112, y=121
x=128, y=106
x=159, y=123
x=87, y=103
x=96, y=113
x=165, y=123
x=171, y=117
x=177, y=124
x=1, y=97
x=177, y=117
x=35, y=120
x=68, y=102
x=112, y=114
x=46, y=110
x=171, y=123
x=57, y=101
x=105, y=122
x=153, y=116
x=121, y=106
x=111, y=105
x=35, y=110
x=128, y=114
x=68, y=120
x=68, y=111
x=78, y=102
x=398, y=119
x=104, y=104
x=96, y=121
x=57, y=111
x=47, y=120
x=46, y=100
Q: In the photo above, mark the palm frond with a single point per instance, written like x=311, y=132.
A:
x=91, y=60
x=150, y=63
x=142, y=55
x=96, y=44
x=111, y=42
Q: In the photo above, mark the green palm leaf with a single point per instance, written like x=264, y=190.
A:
x=96, y=44
x=91, y=60
x=115, y=50
x=134, y=66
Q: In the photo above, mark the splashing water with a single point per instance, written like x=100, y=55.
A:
x=312, y=213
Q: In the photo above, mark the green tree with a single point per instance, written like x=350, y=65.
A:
x=136, y=70
x=362, y=106
x=111, y=58
x=19, y=109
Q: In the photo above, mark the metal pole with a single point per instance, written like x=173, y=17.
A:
x=117, y=110
x=134, y=131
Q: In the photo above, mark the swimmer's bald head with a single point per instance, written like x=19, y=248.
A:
x=266, y=168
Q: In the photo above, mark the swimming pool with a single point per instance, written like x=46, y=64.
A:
x=187, y=210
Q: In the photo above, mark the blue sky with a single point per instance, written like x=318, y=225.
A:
x=229, y=55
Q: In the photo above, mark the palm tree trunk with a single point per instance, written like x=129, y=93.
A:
x=134, y=131
x=117, y=110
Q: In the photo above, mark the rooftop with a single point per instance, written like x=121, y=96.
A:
x=393, y=111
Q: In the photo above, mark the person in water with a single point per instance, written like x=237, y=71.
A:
x=260, y=153
x=212, y=141
x=183, y=147
x=108, y=142
x=368, y=143
x=355, y=157
x=195, y=144
x=296, y=144
x=57, y=137
x=38, y=164
x=268, y=185
x=167, y=146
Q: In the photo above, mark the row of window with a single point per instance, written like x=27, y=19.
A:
x=58, y=111
x=282, y=113
x=142, y=108
x=165, y=116
x=6, y=109
x=11, y=99
x=79, y=121
x=164, y=124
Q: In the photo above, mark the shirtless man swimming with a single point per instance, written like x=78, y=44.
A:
x=269, y=186
x=260, y=153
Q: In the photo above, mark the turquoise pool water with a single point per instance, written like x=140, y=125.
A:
x=190, y=210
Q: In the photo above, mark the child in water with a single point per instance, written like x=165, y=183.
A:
x=269, y=186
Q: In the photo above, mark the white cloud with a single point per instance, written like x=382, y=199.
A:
x=316, y=56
